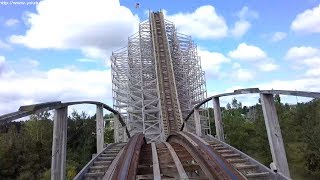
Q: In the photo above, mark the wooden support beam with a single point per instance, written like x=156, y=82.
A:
x=99, y=128
x=116, y=128
x=274, y=134
x=218, y=118
x=155, y=161
x=59, y=144
x=124, y=134
x=177, y=162
x=197, y=121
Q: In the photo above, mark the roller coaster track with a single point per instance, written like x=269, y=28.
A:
x=183, y=155
x=171, y=113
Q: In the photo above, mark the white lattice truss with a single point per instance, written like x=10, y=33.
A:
x=135, y=87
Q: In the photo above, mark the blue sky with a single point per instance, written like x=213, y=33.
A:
x=59, y=50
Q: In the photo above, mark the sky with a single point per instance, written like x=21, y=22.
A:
x=58, y=50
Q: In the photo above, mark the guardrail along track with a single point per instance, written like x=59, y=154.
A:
x=171, y=113
x=240, y=161
x=98, y=166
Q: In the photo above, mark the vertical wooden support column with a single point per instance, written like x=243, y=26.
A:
x=197, y=121
x=274, y=134
x=59, y=144
x=99, y=128
x=218, y=118
x=116, y=128
x=125, y=137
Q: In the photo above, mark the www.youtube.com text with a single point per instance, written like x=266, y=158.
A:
x=18, y=3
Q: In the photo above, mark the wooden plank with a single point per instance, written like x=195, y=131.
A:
x=177, y=162
x=155, y=160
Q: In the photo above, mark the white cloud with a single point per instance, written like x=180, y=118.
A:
x=313, y=72
x=2, y=59
x=30, y=62
x=268, y=67
x=54, y=85
x=86, y=60
x=243, y=25
x=203, y=23
x=2, y=64
x=302, y=52
x=4, y=45
x=240, y=28
x=307, y=21
x=278, y=36
x=247, y=53
x=236, y=65
x=306, y=56
x=210, y=24
x=251, y=56
x=96, y=27
x=242, y=75
x=211, y=61
x=11, y=22
x=4, y=71
x=303, y=84
x=246, y=13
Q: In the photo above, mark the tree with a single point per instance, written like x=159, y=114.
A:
x=228, y=106
x=277, y=99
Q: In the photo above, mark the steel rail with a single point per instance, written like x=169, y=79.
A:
x=212, y=165
x=34, y=108
x=129, y=160
x=253, y=91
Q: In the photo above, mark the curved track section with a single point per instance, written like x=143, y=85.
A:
x=183, y=156
x=127, y=164
x=213, y=165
